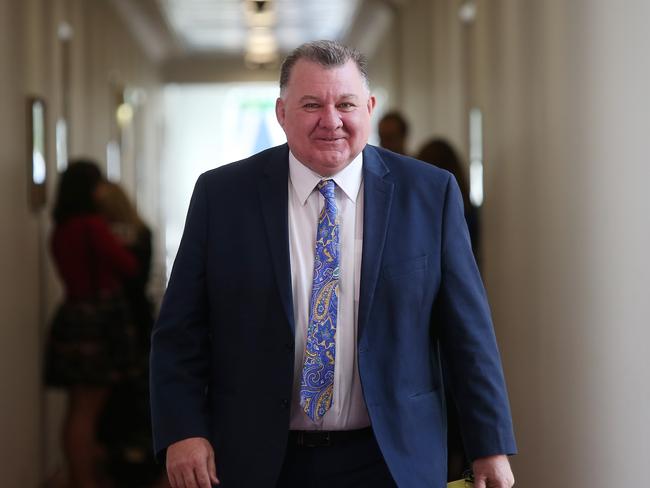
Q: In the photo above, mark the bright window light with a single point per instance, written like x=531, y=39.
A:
x=208, y=126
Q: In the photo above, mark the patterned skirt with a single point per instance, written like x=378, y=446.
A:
x=91, y=342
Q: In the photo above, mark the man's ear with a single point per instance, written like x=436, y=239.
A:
x=280, y=111
x=372, y=101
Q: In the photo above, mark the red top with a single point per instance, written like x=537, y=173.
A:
x=89, y=258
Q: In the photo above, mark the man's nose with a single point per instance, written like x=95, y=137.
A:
x=330, y=118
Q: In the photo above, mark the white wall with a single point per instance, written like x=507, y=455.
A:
x=414, y=94
x=565, y=97
x=421, y=63
x=563, y=87
x=19, y=265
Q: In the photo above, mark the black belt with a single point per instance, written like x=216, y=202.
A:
x=326, y=438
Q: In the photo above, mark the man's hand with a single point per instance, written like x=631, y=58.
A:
x=493, y=472
x=190, y=464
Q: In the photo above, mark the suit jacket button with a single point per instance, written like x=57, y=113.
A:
x=285, y=403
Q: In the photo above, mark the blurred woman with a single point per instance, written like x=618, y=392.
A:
x=133, y=233
x=125, y=426
x=89, y=347
x=440, y=153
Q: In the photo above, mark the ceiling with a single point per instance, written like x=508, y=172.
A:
x=186, y=36
x=229, y=26
x=248, y=38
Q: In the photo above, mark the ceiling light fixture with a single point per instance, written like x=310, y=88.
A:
x=262, y=46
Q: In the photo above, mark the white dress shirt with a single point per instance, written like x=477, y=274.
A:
x=348, y=410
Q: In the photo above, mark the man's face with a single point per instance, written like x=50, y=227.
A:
x=325, y=113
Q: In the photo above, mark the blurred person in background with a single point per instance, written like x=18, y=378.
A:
x=125, y=426
x=90, y=345
x=129, y=228
x=393, y=132
x=440, y=153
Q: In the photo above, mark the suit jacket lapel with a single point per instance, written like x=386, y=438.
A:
x=378, y=193
x=274, y=203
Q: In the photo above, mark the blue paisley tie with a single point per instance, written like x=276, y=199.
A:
x=317, y=384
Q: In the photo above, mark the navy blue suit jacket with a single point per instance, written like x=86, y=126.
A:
x=223, y=351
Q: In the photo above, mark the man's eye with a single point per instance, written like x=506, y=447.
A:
x=346, y=106
x=310, y=106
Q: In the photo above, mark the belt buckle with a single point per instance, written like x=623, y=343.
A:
x=315, y=439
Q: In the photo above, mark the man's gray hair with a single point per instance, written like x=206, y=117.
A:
x=329, y=54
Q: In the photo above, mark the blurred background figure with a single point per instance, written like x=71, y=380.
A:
x=125, y=426
x=393, y=132
x=440, y=153
x=135, y=235
x=90, y=346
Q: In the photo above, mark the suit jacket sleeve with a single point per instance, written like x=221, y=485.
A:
x=468, y=342
x=180, y=341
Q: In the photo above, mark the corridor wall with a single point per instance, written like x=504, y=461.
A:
x=563, y=91
x=422, y=63
x=20, y=396
x=84, y=87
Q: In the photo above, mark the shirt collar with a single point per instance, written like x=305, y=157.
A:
x=304, y=180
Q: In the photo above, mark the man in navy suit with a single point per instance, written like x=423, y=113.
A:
x=317, y=287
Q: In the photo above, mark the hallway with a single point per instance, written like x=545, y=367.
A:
x=560, y=126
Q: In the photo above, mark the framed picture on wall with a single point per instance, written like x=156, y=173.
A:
x=36, y=153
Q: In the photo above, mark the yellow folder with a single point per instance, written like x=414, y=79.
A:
x=460, y=484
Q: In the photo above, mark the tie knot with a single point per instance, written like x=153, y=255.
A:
x=327, y=187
